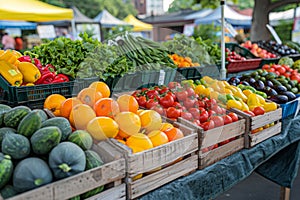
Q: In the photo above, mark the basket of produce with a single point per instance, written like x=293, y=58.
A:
x=38, y=157
x=240, y=59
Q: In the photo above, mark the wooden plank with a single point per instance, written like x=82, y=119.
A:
x=115, y=193
x=161, y=177
x=285, y=193
x=219, y=134
x=148, y=160
x=219, y=153
x=267, y=118
x=44, y=192
x=265, y=134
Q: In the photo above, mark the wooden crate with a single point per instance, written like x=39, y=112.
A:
x=209, y=138
x=253, y=123
x=111, y=175
x=176, y=158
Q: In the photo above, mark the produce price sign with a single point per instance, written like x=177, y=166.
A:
x=46, y=31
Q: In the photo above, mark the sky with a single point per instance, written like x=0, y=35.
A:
x=166, y=4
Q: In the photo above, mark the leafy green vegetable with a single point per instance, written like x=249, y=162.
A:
x=104, y=63
x=66, y=54
x=213, y=49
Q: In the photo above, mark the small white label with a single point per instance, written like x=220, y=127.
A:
x=162, y=75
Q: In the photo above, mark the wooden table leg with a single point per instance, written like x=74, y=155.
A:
x=285, y=193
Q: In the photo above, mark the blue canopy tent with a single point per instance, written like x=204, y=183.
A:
x=17, y=24
x=230, y=16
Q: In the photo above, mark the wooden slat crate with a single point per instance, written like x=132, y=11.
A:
x=176, y=158
x=207, y=139
x=111, y=175
x=252, y=123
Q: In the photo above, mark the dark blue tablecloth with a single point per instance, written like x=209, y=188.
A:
x=276, y=159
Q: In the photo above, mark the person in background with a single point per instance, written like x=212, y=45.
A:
x=19, y=43
x=8, y=42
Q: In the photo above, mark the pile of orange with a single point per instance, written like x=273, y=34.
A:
x=103, y=117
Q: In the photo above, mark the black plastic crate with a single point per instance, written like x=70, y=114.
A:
x=34, y=96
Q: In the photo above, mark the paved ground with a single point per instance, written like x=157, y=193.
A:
x=256, y=187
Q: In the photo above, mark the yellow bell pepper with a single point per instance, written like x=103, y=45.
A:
x=11, y=73
x=199, y=89
x=8, y=56
x=234, y=104
x=247, y=92
x=245, y=107
x=262, y=100
x=240, y=94
x=253, y=100
x=30, y=72
x=270, y=106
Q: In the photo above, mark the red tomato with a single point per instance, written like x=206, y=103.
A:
x=187, y=115
x=208, y=125
x=174, y=85
x=181, y=95
x=259, y=110
x=266, y=66
x=163, y=90
x=142, y=101
x=151, y=94
x=176, y=104
x=173, y=112
x=197, y=122
x=190, y=91
x=271, y=70
x=218, y=120
x=211, y=103
x=158, y=108
x=166, y=101
x=172, y=94
x=203, y=116
x=277, y=72
x=233, y=116
x=211, y=113
x=151, y=103
x=281, y=70
x=287, y=74
x=249, y=113
x=195, y=112
x=227, y=119
x=189, y=103
x=201, y=104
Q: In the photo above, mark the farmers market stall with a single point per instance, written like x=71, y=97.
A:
x=160, y=123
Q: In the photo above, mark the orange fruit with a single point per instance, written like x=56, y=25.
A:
x=106, y=107
x=139, y=142
x=150, y=120
x=128, y=103
x=158, y=137
x=102, y=128
x=67, y=105
x=53, y=103
x=81, y=115
x=129, y=124
x=101, y=87
x=174, y=133
x=165, y=126
x=89, y=96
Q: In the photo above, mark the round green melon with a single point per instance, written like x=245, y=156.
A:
x=41, y=113
x=3, y=109
x=16, y=145
x=31, y=173
x=29, y=124
x=8, y=191
x=44, y=139
x=13, y=117
x=6, y=169
x=4, y=131
x=82, y=138
x=62, y=123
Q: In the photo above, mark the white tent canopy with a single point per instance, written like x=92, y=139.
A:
x=275, y=17
x=230, y=15
x=107, y=20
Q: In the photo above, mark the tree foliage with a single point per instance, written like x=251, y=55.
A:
x=91, y=8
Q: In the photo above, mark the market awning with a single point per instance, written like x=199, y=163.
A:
x=17, y=24
x=137, y=24
x=107, y=20
x=32, y=10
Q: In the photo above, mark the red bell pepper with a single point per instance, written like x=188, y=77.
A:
x=46, y=78
x=24, y=59
x=60, y=78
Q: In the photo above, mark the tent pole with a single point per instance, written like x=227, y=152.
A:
x=73, y=29
x=223, y=69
